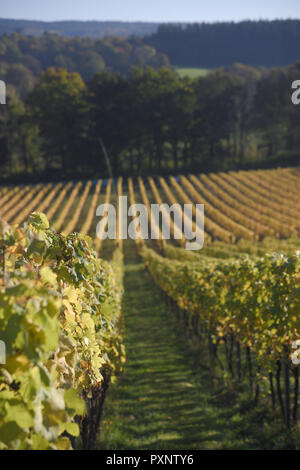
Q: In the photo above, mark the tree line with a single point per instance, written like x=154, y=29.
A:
x=91, y=29
x=23, y=58
x=207, y=45
x=257, y=43
x=151, y=122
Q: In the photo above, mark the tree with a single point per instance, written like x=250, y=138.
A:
x=90, y=63
x=21, y=78
x=160, y=109
x=270, y=105
x=109, y=105
x=56, y=105
x=215, y=112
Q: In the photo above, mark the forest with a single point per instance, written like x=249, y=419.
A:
x=151, y=122
x=257, y=43
x=23, y=58
x=65, y=94
x=208, y=45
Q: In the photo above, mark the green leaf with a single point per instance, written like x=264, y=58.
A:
x=36, y=247
x=48, y=276
x=71, y=428
x=18, y=413
x=39, y=442
x=74, y=402
x=10, y=432
x=39, y=221
x=16, y=291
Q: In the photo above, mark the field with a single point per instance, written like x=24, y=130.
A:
x=208, y=334
x=241, y=208
x=192, y=72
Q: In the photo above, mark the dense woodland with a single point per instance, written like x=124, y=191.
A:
x=151, y=122
x=64, y=94
x=208, y=45
x=24, y=58
x=256, y=43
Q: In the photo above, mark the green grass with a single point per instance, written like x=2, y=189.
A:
x=167, y=397
x=192, y=72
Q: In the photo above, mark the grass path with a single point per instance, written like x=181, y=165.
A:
x=164, y=399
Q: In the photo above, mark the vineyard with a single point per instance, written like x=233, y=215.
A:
x=62, y=289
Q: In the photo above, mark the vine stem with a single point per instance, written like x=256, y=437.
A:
x=272, y=391
x=278, y=385
x=286, y=373
x=3, y=265
x=296, y=393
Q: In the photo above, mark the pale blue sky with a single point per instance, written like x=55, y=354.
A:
x=149, y=10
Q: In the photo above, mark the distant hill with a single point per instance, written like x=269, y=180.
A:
x=198, y=45
x=94, y=29
x=209, y=45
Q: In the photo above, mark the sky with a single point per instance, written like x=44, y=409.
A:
x=150, y=10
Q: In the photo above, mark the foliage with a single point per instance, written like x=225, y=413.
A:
x=24, y=57
x=150, y=121
x=59, y=311
x=253, y=301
